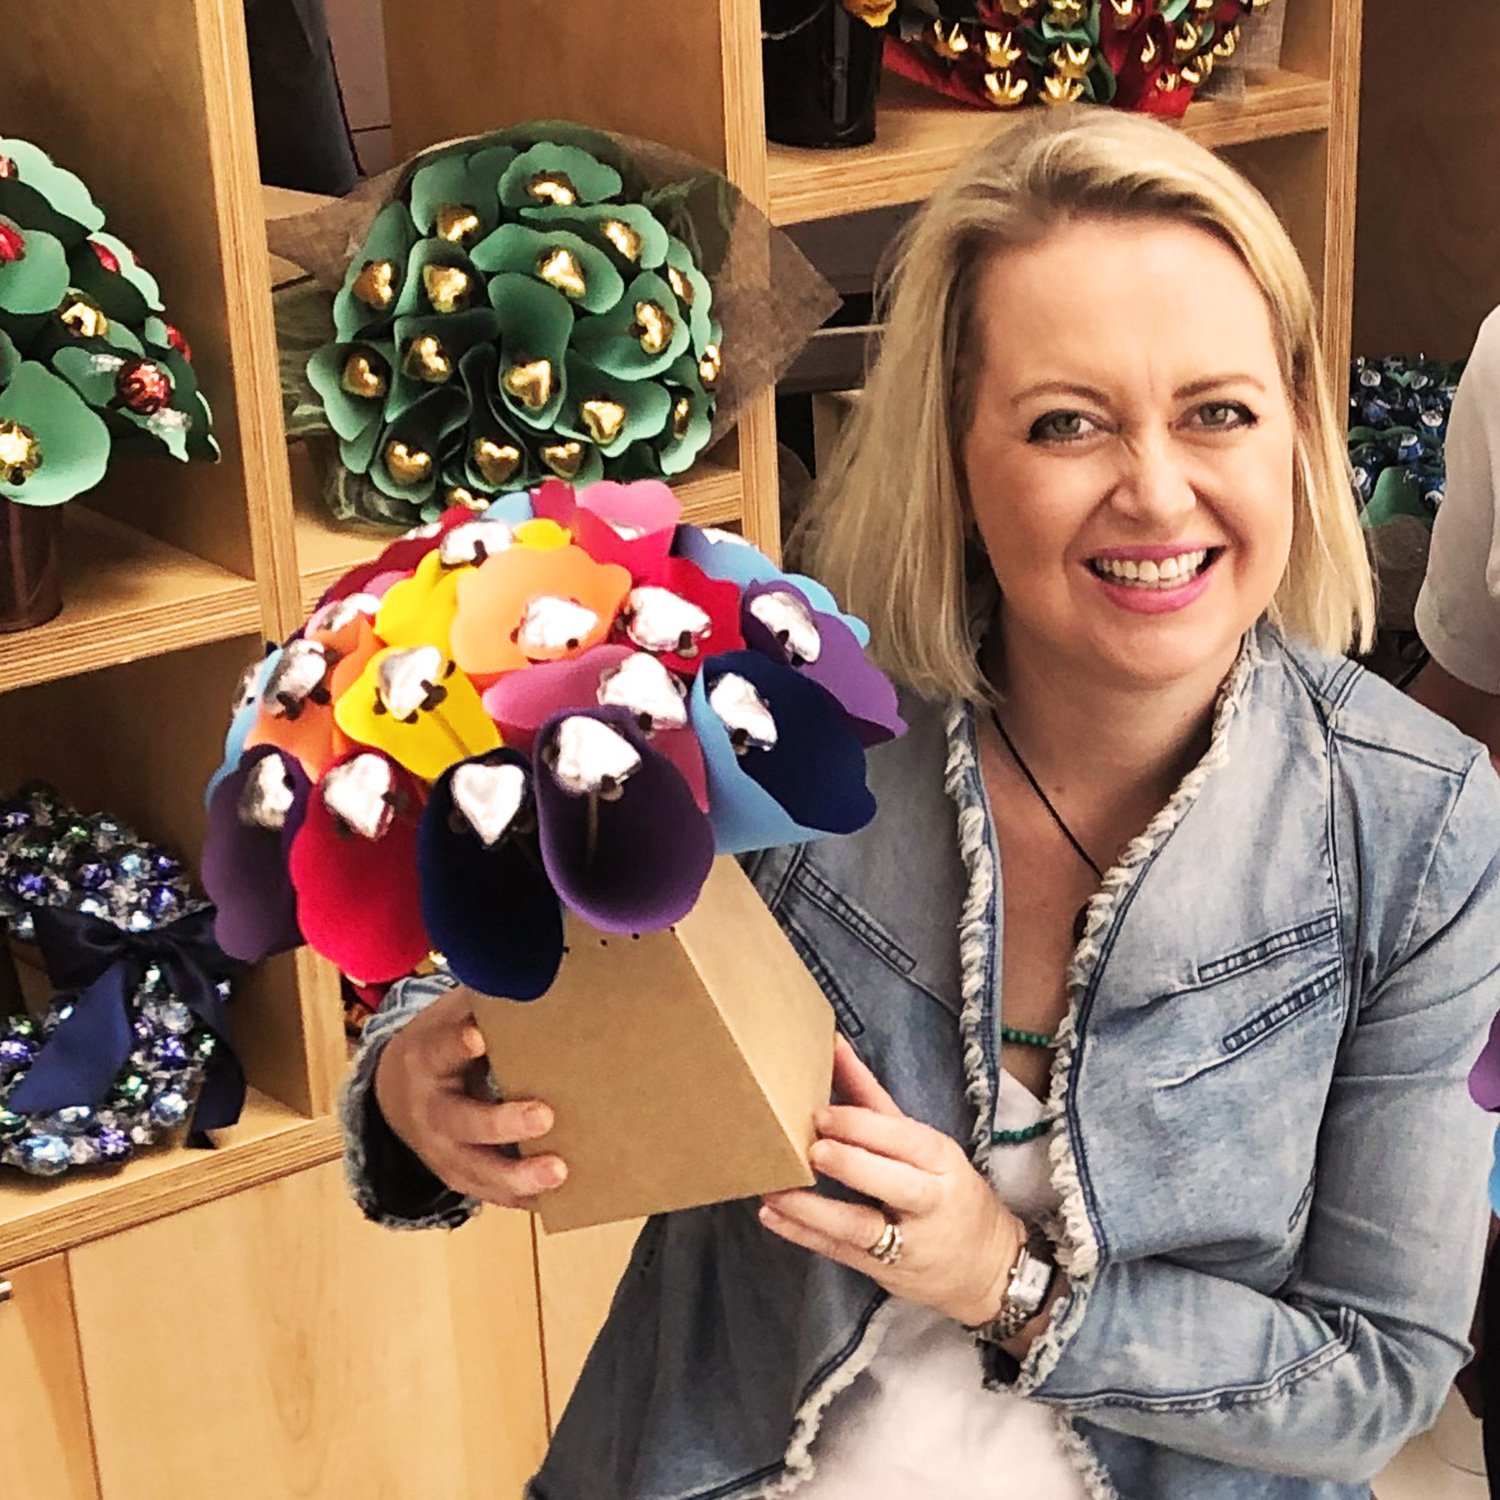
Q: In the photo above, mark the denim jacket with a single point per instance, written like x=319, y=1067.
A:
x=1272, y=1176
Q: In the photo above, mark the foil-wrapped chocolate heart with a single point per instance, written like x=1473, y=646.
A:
x=644, y=686
x=469, y=543
x=791, y=622
x=359, y=793
x=267, y=796
x=298, y=677
x=342, y=613
x=662, y=621
x=552, y=624
x=489, y=797
x=587, y=758
x=744, y=713
x=409, y=681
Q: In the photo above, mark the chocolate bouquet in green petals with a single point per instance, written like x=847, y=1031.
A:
x=88, y=365
x=541, y=302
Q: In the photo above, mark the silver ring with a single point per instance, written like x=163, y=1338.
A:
x=887, y=1249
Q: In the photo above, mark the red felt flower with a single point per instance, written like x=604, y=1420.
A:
x=717, y=599
x=402, y=556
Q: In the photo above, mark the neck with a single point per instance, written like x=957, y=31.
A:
x=1116, y=748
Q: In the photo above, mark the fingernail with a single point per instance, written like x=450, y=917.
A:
x=823, y=1119
x=539, y=1118
x=820, y=1152
x=554, y=1174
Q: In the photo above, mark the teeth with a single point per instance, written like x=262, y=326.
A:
x=1167, y=572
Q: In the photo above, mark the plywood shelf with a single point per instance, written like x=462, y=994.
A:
x=39, y=1218
x=126, y=596
x=921, y=137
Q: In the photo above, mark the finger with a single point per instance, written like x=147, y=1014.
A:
x=453, y=1045
x=473, y=1122
x=797, y=1233
x=855, y=1083
x=901, y=1139
x=480, y=1172
x=905, y=1188
x=856, y=1225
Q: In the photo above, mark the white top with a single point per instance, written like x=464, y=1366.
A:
x=1458, y=610
x=917, y=1421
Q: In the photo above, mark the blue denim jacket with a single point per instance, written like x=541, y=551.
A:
x=1272, y=1176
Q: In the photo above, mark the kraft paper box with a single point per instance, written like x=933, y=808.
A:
x=684, y=1066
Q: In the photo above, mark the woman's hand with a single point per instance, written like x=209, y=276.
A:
x=426, y=1085
x=959, y=1241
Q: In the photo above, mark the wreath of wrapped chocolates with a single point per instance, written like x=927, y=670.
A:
x=1145, y=55
x=136, y=1044
x=572, y=702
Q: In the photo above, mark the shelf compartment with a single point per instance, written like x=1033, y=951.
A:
x=39, y=1218
x=922, y=136
x=126, y=595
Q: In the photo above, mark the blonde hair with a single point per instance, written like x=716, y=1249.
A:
x=886, y=530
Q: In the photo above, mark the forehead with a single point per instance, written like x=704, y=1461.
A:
x=1123, y=297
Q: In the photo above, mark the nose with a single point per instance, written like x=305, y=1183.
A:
x=1154, y=488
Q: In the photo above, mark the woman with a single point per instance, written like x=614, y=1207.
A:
x=1169, y=1188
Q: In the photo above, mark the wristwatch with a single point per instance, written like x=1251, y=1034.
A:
x=1026, y=1291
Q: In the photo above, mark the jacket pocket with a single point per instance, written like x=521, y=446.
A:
x=848, y=1019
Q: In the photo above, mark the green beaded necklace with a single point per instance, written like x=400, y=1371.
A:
x=1014, y=1033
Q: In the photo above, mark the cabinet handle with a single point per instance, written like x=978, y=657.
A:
x=7, y=1291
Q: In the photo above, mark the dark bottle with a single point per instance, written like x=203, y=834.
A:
x=821, y=67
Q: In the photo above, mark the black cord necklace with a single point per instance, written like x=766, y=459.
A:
x=1045, y=800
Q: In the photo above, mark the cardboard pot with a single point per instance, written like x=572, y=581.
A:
x=684, y=1067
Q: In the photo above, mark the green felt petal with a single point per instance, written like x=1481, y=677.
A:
x=487, y=167
x=535, y=323
x=488, y=418
x=358, y=453
x=74, y=439
x=132, y=270
x=1174, y=10
x=585, y=221
x=517, y=249
x=647, y=405
x=187, y=397
x=591, y=179
x=10, y=359
x=591, y=472
x=452, y=179
x=119, y=297
x=700, y=314
x=608, y=341
x=173, y=436
x=65, y=193
x=459, y=332
x=426, y=425
x=1397, y=493
x=424, y=253
x=35, y=283
x=347, y=414
x=88, y=372
x=674, y=454
x=390, y=238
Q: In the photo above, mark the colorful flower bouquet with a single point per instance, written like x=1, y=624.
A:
x=513, y=736
x=88, y=365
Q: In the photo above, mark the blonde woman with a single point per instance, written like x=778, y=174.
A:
x=1153, y=1173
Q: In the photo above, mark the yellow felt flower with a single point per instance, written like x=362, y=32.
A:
x=419, y=610
x=542, y=535
x=871, y=12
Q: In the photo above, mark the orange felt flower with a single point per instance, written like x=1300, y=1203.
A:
x=871, y=12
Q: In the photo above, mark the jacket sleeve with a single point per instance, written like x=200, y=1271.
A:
x=389, y=1182
x=1328, y=1378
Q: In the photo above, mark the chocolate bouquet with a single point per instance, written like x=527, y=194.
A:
x=570, y=702
x=88, y=363
x=540, y=302
x=137, y=1043
x=1145, y=55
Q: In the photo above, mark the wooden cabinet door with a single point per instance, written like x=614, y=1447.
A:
x=44, y=1427
x=273, y=1343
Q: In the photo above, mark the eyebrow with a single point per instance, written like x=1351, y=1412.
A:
x=1090, y=393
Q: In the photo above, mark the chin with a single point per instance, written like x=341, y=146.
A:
x=1161, y=654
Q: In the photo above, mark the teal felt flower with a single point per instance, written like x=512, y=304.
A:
x=88, y=363
x=519, y=311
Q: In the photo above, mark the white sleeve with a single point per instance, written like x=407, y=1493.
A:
x=1458, y=610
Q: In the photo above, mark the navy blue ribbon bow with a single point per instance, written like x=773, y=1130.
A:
x=105, y=964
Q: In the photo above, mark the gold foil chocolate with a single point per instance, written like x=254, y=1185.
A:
x=375, y=285
x=20, y=453
x=460, y=494
x=497, y=462
x=559, y=267
x=457, y=223
x=555, y=188
x=603, y=418
x=426, y=360
x=625, y=239
x=711, y=366
x=1005, y=90
x=682, y=417
x=653, y=326
x=1073, y=59
x=365, y=375
x=564, y=459
x=682, y=288
x=1001, y=50
x=1057, y=89
x=449, y=289
x=1228, y=44
x=949, y=41
x=405, y=464
x=530, y=382
x=82, y=316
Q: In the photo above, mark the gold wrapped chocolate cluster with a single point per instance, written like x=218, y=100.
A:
x=1148, y=55
x=519, y=311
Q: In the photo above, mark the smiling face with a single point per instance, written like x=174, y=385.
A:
x=1129, y=459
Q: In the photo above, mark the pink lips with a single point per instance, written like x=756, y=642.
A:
x=1154, y=601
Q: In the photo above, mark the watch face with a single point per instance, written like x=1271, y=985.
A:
x=1029, y=1282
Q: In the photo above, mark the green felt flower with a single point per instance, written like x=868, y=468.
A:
x=53, y=446
x=78, y=307
x=533, y=314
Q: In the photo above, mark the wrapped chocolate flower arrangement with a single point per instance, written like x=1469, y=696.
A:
x=570, y=702
x=542, y=302
x=135, y=1047
x=1146, y=55
x=89, y=366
